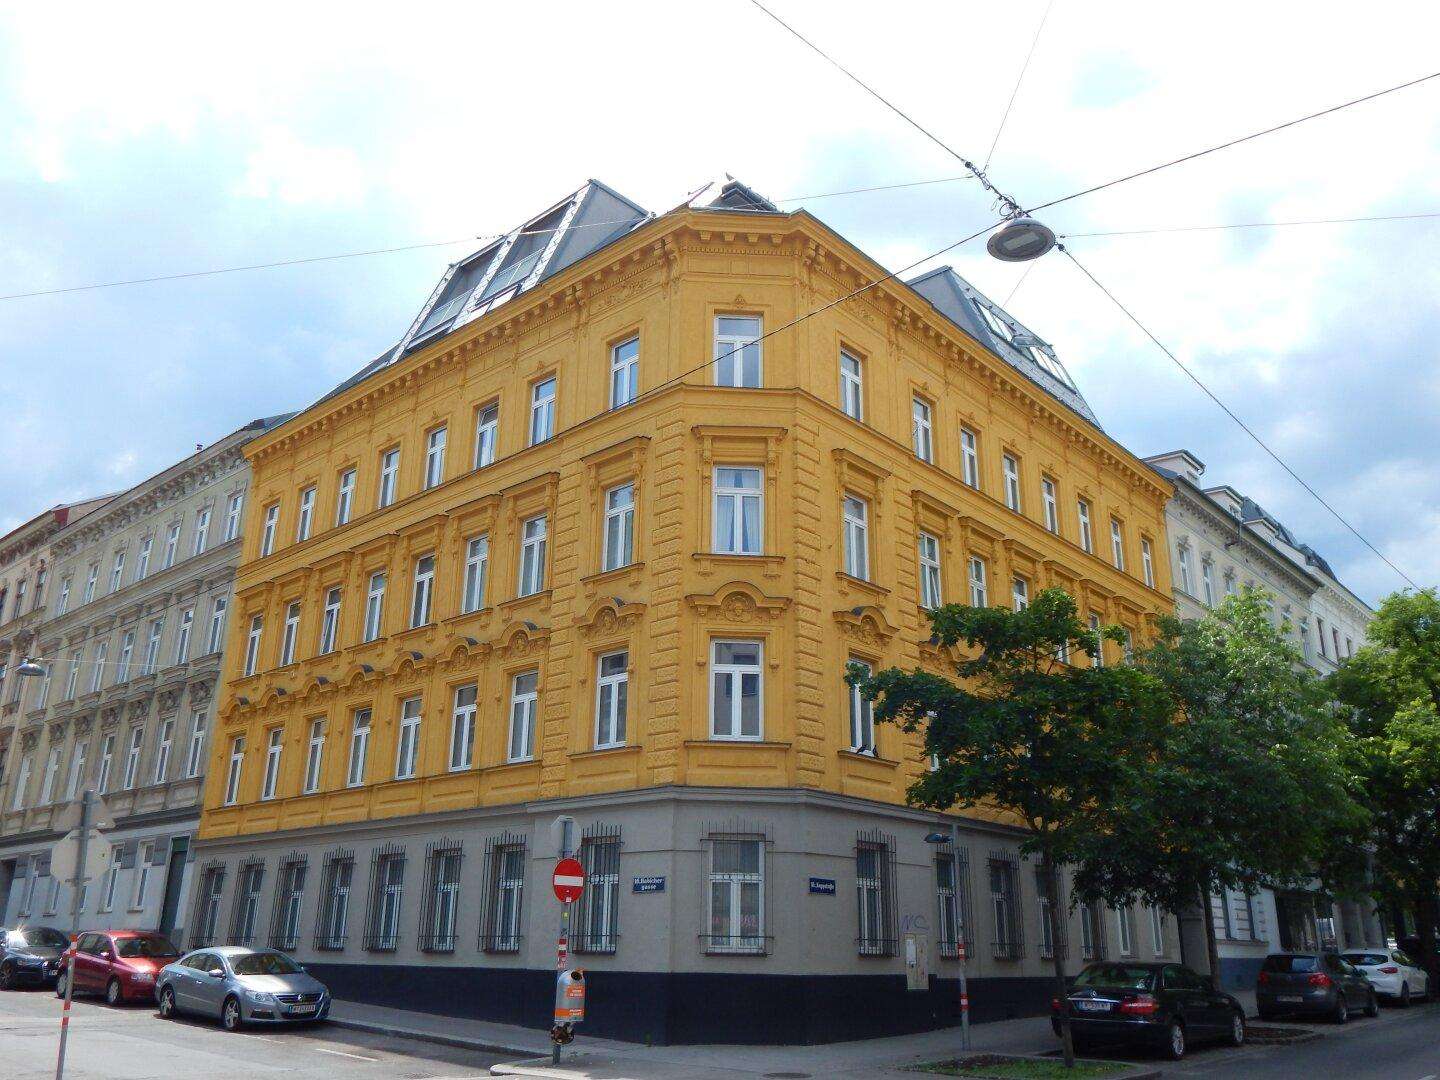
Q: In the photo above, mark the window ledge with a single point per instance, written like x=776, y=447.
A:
x=625, y=750
x=848, y=582
x=708, y=561
x=856, y=755
x=543, y=596
x=591, y=581
x=526, y=763
x=759, y=744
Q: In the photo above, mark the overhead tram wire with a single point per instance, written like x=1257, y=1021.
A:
x=1251, y=225
x=1039, y=29
x=1233, y=416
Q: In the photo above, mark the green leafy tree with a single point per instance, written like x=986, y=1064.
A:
x=1249, y=786
x=1390, y=697
x=1045, y=743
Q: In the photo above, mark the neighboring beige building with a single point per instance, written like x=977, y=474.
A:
x=130, y=634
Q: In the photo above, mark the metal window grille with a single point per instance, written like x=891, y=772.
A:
x=285, y=910
x=737, y=908
x=952, y=887
x=382, y=904
x=1092, y=932
x=244, y=917
x=504, y=893
x=206, y=918
x=441, y=901
x=1053, y=922
x=333, y=911
x=875, y=894
x=1009, y=940
x=597, y=918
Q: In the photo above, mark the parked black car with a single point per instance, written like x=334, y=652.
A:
x=1163, y=1007
x=30, y=955
x=1313, y=984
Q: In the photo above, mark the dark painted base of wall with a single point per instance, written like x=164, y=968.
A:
x=693, y=1007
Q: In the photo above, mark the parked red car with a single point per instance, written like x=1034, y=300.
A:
x=121, y=964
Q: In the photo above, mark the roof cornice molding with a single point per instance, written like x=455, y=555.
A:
x=1201, y=505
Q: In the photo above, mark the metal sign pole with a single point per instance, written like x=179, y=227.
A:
x=562, y=957
x=85, y=802
x=964, y=985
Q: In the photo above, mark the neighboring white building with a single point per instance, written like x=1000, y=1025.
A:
x=1220, y=541
x=130, y=636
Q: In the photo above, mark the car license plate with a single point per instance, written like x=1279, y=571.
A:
x=1289, y=997
x=1093, y=1006
x=303, y=1008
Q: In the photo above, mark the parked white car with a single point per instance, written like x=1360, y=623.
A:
x=1393, y=974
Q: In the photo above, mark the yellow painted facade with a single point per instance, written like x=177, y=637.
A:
x=667, y=283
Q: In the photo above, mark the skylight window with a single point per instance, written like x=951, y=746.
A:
x=514, y=274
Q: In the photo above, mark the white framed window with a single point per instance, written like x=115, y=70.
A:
x=1157, y=931
x=1087, y=535
x=1182, y=560
x=487, y=430
x=314, y=757
x=117, y=570
x=345, y=497
x=1126, y=927
x=374, y=605
x=132, y=758
x=969, y=458
x=1117, y=543
x=217, y=625
x=98, y=673
x=290, y=633
x=182, y=635
x=195, y=757
x=127, y=653
x=164, y=743
x=524, y=699
x=77, y=769
x=107, y=759
x=359, y=748
x=1230, y=588
x=737, y=351
x=856, y=530
x=274, y=746
x=921, y=435
x=612, y=687
x=862, y=712
x=233, y=509
x=1099, y=660
x=739, y=511
x=1147, y=562
x=619, y=546
x=852, y=387
x=142, y=560
x=1020, y=593
x=1128, y=645
x=22, y=783
x=624, y=372
x=408, y=743
x=202, y=531
x=737, y=895
x=112, y=877
x=424, y=592
x=462, y=728
x=979, y=593
x=736, y=690
x=64, y=601
x=1207, y=581
x=152, y=647
x=1010, y=466
x=73, y=676
x=267, y=531
x=533, y=534
x=1050, y=506
x=542, y=410
x=90, y=582
x=435, y=457
x=305, y=523
x=931, y=594
x=47, y=785
x=252, y=644
x=389, y=477
x=330, y=621
x=477, y=559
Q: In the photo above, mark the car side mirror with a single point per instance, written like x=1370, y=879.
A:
x=216, y=974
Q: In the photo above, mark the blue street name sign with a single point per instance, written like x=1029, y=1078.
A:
x=647, y=884
x=822, y=886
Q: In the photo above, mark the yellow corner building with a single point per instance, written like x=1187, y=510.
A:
x=548, y=556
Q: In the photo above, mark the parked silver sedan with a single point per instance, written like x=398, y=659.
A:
x=241, y=986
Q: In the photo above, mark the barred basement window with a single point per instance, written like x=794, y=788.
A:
x=735, y=917
x=597, y=922
x=243, y=918
x=289, y=889
x=1052, y=916
x=875, y=894
x=952, y=888
x=382, y=908
x=334, y=908
x=442, y=896
x=504, y=893
x=206, y=921
x=1092, y=932
x=1009, y=940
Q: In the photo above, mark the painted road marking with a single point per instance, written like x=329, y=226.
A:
x=341, y=1053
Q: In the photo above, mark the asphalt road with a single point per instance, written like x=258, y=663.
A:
x=133, y=1043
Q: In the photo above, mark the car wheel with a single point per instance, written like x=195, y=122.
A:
x=7, y=977
x=167, y=1003
x=230, y=1018
x=1342, y=1012
x=1175, y=1043
x=114, y=995
x=60, y=985
x=1405, y=995
x=1372, y=1006
x=1237, y=1029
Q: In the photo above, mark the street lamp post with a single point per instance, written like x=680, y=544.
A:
x=953, y=839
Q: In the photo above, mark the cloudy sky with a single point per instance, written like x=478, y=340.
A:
x=204, y=137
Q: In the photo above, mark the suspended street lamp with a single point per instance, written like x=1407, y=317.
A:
x=31, y=668
x=1020, y=239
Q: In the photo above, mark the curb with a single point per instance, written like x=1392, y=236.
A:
x=459, y=1042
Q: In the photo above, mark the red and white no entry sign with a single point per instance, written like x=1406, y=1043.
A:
x=569, y=880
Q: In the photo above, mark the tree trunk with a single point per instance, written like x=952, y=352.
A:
x=1212, y=949
x=1062, y=988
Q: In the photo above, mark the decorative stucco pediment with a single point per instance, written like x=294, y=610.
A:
x=866, y=625
x=609, y=615
x=738, y=602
